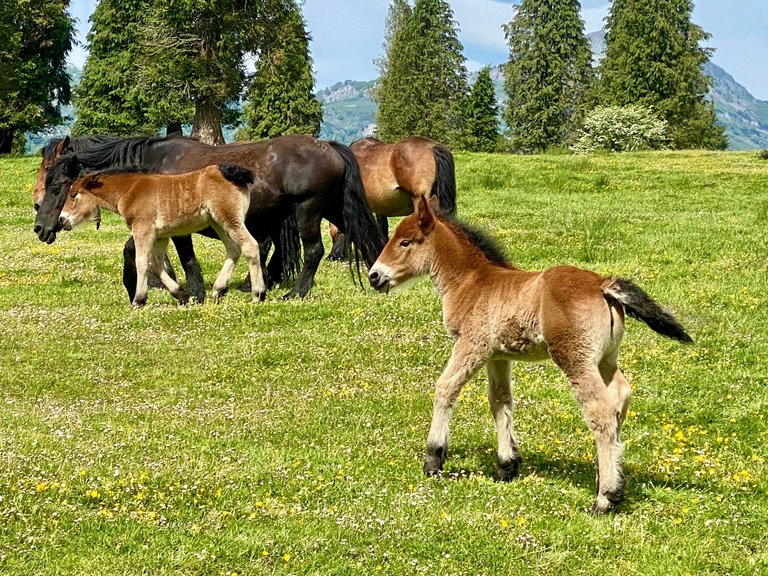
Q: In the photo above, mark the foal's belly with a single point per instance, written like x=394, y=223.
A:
x=181, y=227
x=521, y=345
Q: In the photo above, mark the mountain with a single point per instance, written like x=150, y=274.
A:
x=350, y=110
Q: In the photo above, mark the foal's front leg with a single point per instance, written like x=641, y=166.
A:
x=143, y=242
x=464, y=362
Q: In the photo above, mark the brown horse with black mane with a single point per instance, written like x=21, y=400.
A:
x=498, y=313
x=395, y=176
x=158, y=206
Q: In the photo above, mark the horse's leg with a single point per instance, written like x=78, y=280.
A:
x=339, y=246
x=144, y=242
x=603, y=413
x=158, y=259
x=250, y=250
x=192, y=271
x=308, y=216
x=221, y=285
x=383, y=224
x=501, y=404
x=465, y=360
x=129, y=268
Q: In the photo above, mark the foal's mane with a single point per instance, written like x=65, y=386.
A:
x=484, y=242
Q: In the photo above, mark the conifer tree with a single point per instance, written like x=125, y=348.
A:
x=35, y=37
x=280, y=97
x=653, y=58
x=548, y=75
x=424, y=80
x=108, y=98
x=481, y=123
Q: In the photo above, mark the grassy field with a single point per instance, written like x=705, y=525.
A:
x=287, y=437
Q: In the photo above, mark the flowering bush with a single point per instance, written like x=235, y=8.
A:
x=621, y=129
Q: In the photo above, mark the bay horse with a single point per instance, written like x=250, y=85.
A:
x=396, y=175
x=156, y=207
x=298, y=178
x=498, y=313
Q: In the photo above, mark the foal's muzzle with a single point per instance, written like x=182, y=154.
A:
x=379, y=281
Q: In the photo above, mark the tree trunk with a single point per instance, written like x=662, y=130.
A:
x=207, y=124
x=6, y=141
x=173, y=128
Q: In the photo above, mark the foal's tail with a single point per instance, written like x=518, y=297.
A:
x=236, y=174
x=444, y=186
x=640, y=306
x=361, y=227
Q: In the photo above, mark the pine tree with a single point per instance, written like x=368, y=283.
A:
x=481, y=124
x=425, y=76
x=108, y=98
x=35, y=37
x=280, y=97
x=653, y=58
x=548, y=75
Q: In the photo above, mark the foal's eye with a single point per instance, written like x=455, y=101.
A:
x=405, y=243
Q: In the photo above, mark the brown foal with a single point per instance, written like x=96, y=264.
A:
x=498, y=313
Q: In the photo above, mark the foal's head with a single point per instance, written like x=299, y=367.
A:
x=81, y=205
x=408, y=253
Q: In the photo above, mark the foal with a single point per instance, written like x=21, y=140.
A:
x=497, y=314
x=158, y=206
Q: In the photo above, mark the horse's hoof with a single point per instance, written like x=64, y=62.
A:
x=259, y=297
x=433, y=467
x=183, y=299
x=289, y=295
x=136, y=304
x=604, y=505
x=508, y=471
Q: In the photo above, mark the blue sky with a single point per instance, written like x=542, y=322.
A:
x=347, y=35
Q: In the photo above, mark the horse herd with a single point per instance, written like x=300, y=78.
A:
x=272, y=196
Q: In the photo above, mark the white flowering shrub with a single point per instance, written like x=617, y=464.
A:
x=621, y=129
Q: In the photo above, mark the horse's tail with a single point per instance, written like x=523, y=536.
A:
x=444, y=186
x=236, y=174
x=290, y=247
x=640, y=306
x=359, y=223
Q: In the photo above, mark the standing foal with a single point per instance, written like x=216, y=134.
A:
x=497, y=314
x=158, y=206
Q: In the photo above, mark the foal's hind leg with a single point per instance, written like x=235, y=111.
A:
x=250, y=249
x=501, y=404
x=602, y=410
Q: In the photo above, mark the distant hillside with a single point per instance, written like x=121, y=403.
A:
x=349, y=110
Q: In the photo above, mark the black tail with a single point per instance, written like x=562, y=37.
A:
x=445, y=180
x=359, y=223
x=290, y=247
x=236, y=174
x=640, y=306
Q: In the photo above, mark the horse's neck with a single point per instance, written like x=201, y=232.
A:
x=455, y=262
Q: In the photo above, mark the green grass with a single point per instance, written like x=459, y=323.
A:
x=287, y=437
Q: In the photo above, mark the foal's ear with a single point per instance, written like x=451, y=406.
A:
x=62, y=147
x=425, y=215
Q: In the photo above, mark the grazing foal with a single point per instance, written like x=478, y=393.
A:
x=158, y=206
x=497, y=314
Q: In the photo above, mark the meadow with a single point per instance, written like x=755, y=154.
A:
x=287, y=437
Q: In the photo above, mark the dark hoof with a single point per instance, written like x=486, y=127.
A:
x=508, y=471
x=136, y=304
x=605, y=503
x=336, y=257
x=259, y=297
x=290, y=295
x=433, y=469
x=183, y=299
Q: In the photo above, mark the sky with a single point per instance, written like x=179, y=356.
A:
x=347, y=35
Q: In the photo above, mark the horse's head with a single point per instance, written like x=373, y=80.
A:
x=81, y=204
x=408, y=254
x=51, y=153
x=58, y=180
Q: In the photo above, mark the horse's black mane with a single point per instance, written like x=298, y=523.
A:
x=489, y=246
x=99, y=152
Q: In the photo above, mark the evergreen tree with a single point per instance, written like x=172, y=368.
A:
x=653, y=58
x=35, y=37
x=548, y=75
x=108, y=98
x=280, y=97
x=197, y=48
x=481, y=124
x=425, y=75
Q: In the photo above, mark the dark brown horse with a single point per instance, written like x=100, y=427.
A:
x=295, y=177
x=396, y=175
x=498, y=313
